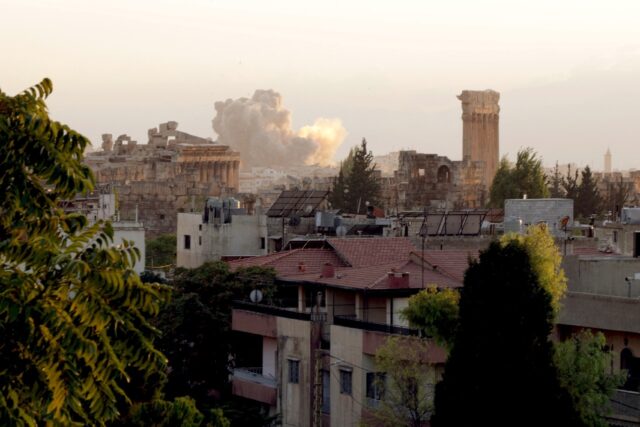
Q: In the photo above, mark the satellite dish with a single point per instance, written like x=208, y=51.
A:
x=255, y=296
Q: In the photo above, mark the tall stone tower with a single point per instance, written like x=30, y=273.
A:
x=480, y=137
x=607, y=162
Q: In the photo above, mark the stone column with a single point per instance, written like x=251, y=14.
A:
x=480, y=136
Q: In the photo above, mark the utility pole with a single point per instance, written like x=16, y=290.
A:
x=423, y=234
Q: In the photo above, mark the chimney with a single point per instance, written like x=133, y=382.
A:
x=397, y=280
x=327, y=270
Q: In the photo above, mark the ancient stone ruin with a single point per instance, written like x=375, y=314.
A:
x=436, y=182
x=172, y=173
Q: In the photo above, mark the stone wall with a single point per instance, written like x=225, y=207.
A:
x=432, y=181
x=174, y=172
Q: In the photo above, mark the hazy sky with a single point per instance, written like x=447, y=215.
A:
x=568, y=71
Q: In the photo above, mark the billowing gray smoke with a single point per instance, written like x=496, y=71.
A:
x=260, y=129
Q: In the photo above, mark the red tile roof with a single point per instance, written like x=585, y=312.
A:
x=453, y=263
x=376, y=277
x=293, y=262
x=360, y=252
x=364, y=263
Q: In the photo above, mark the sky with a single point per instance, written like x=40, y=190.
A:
x=568, y=72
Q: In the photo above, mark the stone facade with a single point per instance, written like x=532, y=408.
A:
x=173, y=173
x=435, y=182
x=480, y=129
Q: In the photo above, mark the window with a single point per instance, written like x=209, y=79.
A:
x=375, y=385
x=294, y=371
x=200, y=240
x=263, y=243
x=187, y=241
x=200, y=227
x=345, y=381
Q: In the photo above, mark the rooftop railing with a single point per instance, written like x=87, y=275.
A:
x=269, y=309
x=372, y=326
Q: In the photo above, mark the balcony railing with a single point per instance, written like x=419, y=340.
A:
x=269, y=309
x=376, y=327
x=255, y=375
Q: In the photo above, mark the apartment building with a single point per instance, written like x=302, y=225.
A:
x=309, y=354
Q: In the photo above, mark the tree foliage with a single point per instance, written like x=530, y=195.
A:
x=588, y=201
x=181, y=412
x=545, y=259
x=618, y=194
x=435, y=312
x=527, y=177
x=161, y=251
x=556, y=189
x=356, y=184
x=196, y=326
x=502, y=346
x=73, y=313
x=407, y=384
x=583, y=366
x=570, y=184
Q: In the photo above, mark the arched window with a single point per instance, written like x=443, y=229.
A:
x=443, y=174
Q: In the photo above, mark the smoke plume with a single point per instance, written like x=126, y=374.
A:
x=260, y=129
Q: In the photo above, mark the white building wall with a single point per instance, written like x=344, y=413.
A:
x=246, y=235
x=533, y=211
x=133, y=231
x=269, y=351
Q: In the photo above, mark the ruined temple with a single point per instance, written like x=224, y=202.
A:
x=432, y=181
x=436, y=182
x=172, y=173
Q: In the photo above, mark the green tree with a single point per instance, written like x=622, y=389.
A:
x=527, y=177
x=359, y=184
x=545, y=259
x=73, y=313
x=181, y=412
x=556, y=189
x=161, y=251
x=435, y=312
x=502, y=345
x=583, y=367
x=617, y=196
x=588, y=201
x=570, y=184
x=338, y=195
x=196, y=326
x=405, y=383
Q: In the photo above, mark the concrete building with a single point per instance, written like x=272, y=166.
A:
x=311, y=357
x=557, y=214
x=201, y=238
x=170, y=174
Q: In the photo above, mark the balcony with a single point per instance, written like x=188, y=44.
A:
x=350, y=322
x=255, y=375
x=250, y=383
x=291, y=313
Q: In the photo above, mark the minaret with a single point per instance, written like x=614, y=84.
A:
x=607, y=162
x=480, y=126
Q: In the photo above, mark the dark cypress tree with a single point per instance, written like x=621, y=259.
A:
x=588, y=201
x=570, y=184
x=356, y=183
x=555, y=184
x=500, y=370
x=338, y=193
